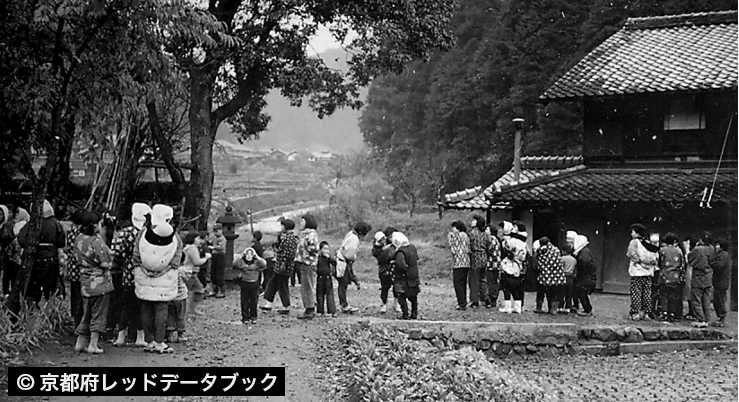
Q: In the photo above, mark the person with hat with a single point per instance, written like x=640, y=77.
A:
x=218, y=264
x=285, y=248
x=407, y=281
x=94, y=258
x=346, y=255
x=123, y=245
x=157, y=256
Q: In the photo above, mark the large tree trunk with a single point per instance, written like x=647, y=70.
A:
x=59, y=186
x=202, y=135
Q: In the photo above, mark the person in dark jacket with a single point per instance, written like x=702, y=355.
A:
x=407, y=283
x=45, y=275
x=384, y=251
x=701, y=283
x=721, y=265
x=324, y=282
x=671, y=278
x=585, y=276
x=7, y=267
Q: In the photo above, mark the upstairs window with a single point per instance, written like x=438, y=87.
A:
x=684, y=114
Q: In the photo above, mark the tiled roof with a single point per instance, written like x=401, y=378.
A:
x=623, y=185
x=531, y=167
x=657, y=54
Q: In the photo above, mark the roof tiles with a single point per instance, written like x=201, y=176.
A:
x=684, y=52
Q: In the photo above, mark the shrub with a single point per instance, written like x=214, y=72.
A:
x=32, y=326
x=378, y=364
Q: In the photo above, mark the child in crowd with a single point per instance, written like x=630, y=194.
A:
x=249, y=265
x=194, y=262
x=671, y=279
x=657, y=307
x=568, y=267
x=325, y=270
x=271, y=258
x=177, y=314
x=218, y=265
x=203, y=273
x=94, y=259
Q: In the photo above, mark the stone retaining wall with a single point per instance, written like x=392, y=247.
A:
x=549, y=340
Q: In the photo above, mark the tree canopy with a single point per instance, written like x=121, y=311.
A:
x=460, y=104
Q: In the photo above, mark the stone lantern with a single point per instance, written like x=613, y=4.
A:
x=229, y=221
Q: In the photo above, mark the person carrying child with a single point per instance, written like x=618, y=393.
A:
x=249, y=264
x=325, y=270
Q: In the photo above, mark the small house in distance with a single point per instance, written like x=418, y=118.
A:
x=659, y=142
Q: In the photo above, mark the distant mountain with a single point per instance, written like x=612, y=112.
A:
x=300, y=128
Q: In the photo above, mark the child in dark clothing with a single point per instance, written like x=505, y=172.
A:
x=721, y=265
x=325, y=269
x=671, y=279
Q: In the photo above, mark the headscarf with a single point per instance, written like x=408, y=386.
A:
x=161, y=213
x=507, y=228
x=48, y=210
x=580, y=243
x=399, y=240
x=537, y=245
x=379, y=236
x=253, y=253
x=138, y=214
x=571, y=234
x=6, y=213
x=21, y=218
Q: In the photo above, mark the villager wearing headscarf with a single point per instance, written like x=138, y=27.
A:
x=6, y=238
x=346, y=255
x=407, y=282
x=123, y=245
x=249, y=264
x=585, y=277
x=285, y=247
x=157, y=255
x=514, y=257
x=384, y=251
x=459, y=245
x=94, y=258
x=306, y=260
x=44, y=279
x=642, y=264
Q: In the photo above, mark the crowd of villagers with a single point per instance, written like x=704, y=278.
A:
x=136, y=280
x=488, y=258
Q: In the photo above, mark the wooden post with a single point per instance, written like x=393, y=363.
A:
x=517, y=149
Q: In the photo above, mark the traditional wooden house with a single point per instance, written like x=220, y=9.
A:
x=659, y=142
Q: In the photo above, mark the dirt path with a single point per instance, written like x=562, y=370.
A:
x=216, y=339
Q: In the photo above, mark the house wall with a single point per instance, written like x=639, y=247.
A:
x=633, y=128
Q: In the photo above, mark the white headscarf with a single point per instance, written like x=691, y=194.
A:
x=161, y=213
x=537, y=245
x=580, y=243
x=507, y=228
x=6, y=212
x=571, y=234
x=399, y=240
x=48, y=210
x=138, y=214
x=21, y=218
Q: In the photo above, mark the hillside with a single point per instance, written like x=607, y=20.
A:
x=300, y=129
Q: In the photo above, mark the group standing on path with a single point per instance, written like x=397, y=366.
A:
x=141, y=280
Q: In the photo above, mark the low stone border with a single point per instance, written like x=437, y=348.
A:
x=515, y=340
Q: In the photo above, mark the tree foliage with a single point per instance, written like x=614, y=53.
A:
x=461, y=103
